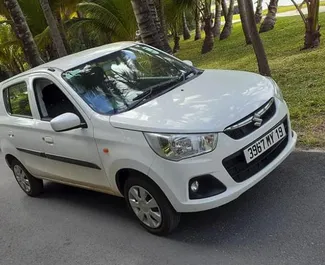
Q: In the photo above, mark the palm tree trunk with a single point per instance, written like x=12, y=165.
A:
x=262, y=61
x=176, y=39
x=226, y=31
x=197, y=24
x=258, y=11
x=54, y=30
x=270, y=19
x=62, y=32
x=186, y=31
x=23, y=33
x=217, y=20
x=163, y=28
x=312, y=34
x=224, y=8
x=244, y=22
x=209, y=38
x=146, y=24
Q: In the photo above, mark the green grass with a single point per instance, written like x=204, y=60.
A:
x=300, y=74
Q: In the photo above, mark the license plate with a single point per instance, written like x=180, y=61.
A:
x=265, y=143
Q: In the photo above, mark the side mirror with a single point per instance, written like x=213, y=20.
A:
x=188, y=62
x=65, y=122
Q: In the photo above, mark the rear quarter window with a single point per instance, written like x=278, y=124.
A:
x=15, y=99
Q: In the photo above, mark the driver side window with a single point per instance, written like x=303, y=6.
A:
x=51, y=101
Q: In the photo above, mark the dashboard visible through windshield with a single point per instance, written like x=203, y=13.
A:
x=121, y=80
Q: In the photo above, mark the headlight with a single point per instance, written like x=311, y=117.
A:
x=180, y=146
x=277, y=90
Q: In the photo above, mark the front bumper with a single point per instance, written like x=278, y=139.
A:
x=173, y=177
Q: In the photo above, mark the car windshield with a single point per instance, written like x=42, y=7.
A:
x=121, y=80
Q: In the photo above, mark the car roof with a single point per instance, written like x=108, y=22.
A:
x=73, y=60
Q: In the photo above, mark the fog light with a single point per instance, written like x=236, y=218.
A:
x=195, y=186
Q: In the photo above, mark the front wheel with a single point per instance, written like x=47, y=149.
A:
x=150, y=206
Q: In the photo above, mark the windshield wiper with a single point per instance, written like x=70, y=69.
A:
x=186, y=74
x=145, y=94
x=139, y=99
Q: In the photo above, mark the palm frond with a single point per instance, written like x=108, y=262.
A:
x=43, y=39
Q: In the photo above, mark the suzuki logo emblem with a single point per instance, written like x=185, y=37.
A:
x=257, y=120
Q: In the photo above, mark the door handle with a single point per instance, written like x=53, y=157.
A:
x=11, y=134
x=48, y=140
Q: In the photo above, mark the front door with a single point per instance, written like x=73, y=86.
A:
x=72, y=156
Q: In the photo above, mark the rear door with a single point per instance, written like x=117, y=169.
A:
x=72, y=156
x=18, y=127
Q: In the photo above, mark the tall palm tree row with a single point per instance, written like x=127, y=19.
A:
x=23, y=33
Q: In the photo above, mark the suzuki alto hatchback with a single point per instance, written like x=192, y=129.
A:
x=129, y=120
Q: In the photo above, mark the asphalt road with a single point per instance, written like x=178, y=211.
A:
x=279, y=221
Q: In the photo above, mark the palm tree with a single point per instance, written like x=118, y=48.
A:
x=270, y=19
x=226, y=31
x=103, y=21
x=217, y=19
x=154, y=7
x=224, y=8
x=262, y=61
x=258, y=11
x=312, y=34
x=11, y=54
x=146, y=23
x=160, y=5
x=197, y=21
x=244, y=22
x=54, y=30
x=23, y=33
x=209, y=38
x=186, y=31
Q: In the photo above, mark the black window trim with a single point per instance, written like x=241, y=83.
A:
x=6, y=101
x=82, y=119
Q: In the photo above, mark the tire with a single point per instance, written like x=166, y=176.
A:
x=29, y=184
x=169, y=217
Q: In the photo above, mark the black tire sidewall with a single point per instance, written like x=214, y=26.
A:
x=170, y=218
x=36, y=185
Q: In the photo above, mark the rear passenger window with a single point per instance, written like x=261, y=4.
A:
x=16, y=100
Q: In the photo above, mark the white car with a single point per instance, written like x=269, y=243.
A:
x=129, y=120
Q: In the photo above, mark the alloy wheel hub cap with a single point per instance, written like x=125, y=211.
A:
x=145, y=206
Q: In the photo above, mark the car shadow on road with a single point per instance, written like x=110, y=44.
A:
x=280, y=205
x=263, y=214
x=82, y=198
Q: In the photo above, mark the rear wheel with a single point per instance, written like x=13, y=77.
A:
x=29, y=184
x=150, y=206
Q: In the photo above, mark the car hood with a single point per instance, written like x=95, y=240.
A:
x=208, y=103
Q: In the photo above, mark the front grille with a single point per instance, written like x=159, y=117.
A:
x=246, y=125
x=240, y=171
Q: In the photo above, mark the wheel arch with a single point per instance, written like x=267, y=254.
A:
x=9, y=159
x=123, y=174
